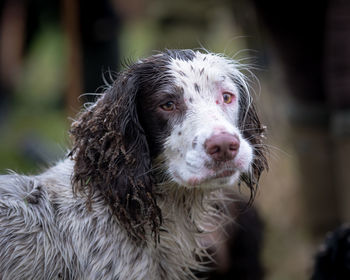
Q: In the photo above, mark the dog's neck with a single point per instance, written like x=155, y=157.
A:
x=189, y=216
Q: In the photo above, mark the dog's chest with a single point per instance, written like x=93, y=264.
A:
x=104, y=250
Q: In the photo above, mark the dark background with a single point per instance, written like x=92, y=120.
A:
x=54, y=54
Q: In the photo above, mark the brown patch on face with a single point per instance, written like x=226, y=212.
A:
x=157, y=122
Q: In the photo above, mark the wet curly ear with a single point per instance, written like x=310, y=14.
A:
x=112, y=158
x=253, y=132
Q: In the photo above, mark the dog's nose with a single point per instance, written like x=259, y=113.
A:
x=222, y=146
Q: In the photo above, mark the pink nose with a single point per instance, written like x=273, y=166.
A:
x=222, y=146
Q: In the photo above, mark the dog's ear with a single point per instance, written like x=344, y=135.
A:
x=253, y=131
x=112, y=158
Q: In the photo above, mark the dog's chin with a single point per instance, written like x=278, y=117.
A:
x=210, y=180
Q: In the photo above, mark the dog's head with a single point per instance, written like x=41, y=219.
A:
x=186, y=113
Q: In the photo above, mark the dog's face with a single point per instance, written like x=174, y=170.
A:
x=195, y=120
x=188, y=114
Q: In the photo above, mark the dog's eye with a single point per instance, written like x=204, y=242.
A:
x=169, y=106
x=227, y=97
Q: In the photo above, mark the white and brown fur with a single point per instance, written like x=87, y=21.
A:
x=140, y=187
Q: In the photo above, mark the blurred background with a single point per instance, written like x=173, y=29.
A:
x=54, y=55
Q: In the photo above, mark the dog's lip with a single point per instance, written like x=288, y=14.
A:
x=221, y=174
x=211, y=175
x=225, y=173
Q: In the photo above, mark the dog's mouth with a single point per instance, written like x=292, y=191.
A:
x=207, y=177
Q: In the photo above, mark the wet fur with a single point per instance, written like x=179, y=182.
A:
x=110, y=211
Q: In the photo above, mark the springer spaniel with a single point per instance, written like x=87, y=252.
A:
x=142, y=186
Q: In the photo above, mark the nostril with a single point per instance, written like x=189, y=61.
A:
x=213, y=149
x=234, y=145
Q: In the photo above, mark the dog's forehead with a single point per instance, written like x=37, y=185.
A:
x=203, y=73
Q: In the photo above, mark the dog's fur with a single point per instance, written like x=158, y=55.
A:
x=139, y=188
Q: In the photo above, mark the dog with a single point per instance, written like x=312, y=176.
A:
x=142, y=184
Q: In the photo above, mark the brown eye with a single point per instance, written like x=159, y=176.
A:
x=169, y=106
x=227, y=97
